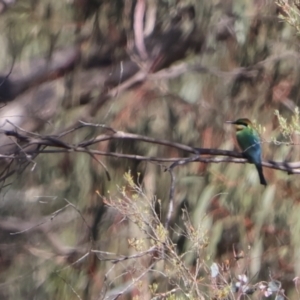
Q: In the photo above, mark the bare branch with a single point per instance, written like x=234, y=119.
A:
x=30, y=145
x=150, y=17
x=139, y=28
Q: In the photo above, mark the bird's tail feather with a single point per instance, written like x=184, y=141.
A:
x=261, y=175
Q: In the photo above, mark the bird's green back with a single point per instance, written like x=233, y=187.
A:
x=248, y=140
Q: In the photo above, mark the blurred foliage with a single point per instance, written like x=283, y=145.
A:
x=64, y=251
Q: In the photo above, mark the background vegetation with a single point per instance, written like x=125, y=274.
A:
x=169, y=70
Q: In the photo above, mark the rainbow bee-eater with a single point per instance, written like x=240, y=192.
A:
x=249, y=141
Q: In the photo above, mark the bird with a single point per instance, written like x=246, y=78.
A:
x=249, y=142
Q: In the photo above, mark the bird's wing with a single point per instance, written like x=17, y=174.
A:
x=250, y=145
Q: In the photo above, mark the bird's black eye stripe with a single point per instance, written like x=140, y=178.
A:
x=242, y=123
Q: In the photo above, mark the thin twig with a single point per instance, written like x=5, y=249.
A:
x=69, y=285
x=134, y=281
x=171, y=198
x=103, y=166
x=41, y=223
x=122, y=257
x=79, y=212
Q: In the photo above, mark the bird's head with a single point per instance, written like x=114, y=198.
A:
x=240, y=124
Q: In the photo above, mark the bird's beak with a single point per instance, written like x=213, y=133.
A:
x=230, y=122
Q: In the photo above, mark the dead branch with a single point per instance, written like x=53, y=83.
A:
x=29, y=145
